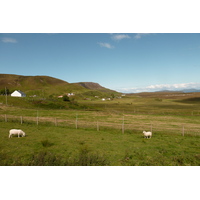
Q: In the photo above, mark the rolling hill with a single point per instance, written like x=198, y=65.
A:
x=45, y=85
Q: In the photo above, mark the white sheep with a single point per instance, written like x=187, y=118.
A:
x=147, y=134
x=16, y=132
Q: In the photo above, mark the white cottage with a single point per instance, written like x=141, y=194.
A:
x=18, y=93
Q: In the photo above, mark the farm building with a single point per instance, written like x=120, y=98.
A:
x=18, y=93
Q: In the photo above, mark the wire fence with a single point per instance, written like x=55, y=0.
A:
x=100, y=125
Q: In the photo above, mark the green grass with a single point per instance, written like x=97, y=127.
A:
x=50, y=145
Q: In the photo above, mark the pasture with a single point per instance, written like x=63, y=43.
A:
x=94, y=136
x=50, y=145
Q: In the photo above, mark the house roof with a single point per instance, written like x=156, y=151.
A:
x=22, y=93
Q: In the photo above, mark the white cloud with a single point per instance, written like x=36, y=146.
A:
x=9, y=40
x=153, y=88
x=139, y=35
x=106, y=45
x=120, y=37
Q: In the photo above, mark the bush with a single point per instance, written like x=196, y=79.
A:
x=65, y=98
x=46, y=143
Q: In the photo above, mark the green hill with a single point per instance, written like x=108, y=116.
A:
x=46, y=86
x=37, y=85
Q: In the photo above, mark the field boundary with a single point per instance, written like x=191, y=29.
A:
x=98, y=125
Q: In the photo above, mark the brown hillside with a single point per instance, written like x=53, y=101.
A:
x=95, y=86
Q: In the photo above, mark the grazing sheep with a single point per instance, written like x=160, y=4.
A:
x=147, y=134
x=16, y=132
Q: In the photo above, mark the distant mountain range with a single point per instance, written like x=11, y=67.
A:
x=182, y=91
x=190, y=90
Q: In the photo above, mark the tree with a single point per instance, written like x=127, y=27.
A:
x=5, y=91
x=65, y=98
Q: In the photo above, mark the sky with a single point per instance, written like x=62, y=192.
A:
x=125, y=62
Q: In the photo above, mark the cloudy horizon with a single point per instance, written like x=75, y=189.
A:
x=161, y=87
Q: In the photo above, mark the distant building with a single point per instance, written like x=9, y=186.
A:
x=70, y=94
x=18, y=93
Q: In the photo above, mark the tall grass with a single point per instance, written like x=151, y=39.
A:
x=87, y=158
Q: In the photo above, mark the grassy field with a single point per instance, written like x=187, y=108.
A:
x=49, y=145
x=91, y=133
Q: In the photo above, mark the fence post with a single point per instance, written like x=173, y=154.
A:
x=21, y=119
x=123, y=126
x=37, y=118
x=76, y=121
x=56, y=122
x=97, y=126
x=6, y=118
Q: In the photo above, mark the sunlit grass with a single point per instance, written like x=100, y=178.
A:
x=98, y=137
x=107, y=147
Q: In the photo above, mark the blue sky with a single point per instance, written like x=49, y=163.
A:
x=125, y=62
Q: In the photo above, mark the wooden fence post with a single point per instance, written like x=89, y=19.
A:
x=37, y=118
x=21, y=119
x=123, y=126
x=97, y=126
x=76, y=121
x=37, y=121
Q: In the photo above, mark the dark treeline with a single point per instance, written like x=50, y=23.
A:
x=6, y=91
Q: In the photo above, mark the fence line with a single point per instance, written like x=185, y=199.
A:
x=102, y=125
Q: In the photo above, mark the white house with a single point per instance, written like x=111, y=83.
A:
x=18, y=93
x=70, y=94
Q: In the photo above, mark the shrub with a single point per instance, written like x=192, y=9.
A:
x=46, y=143
x=65, y=98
